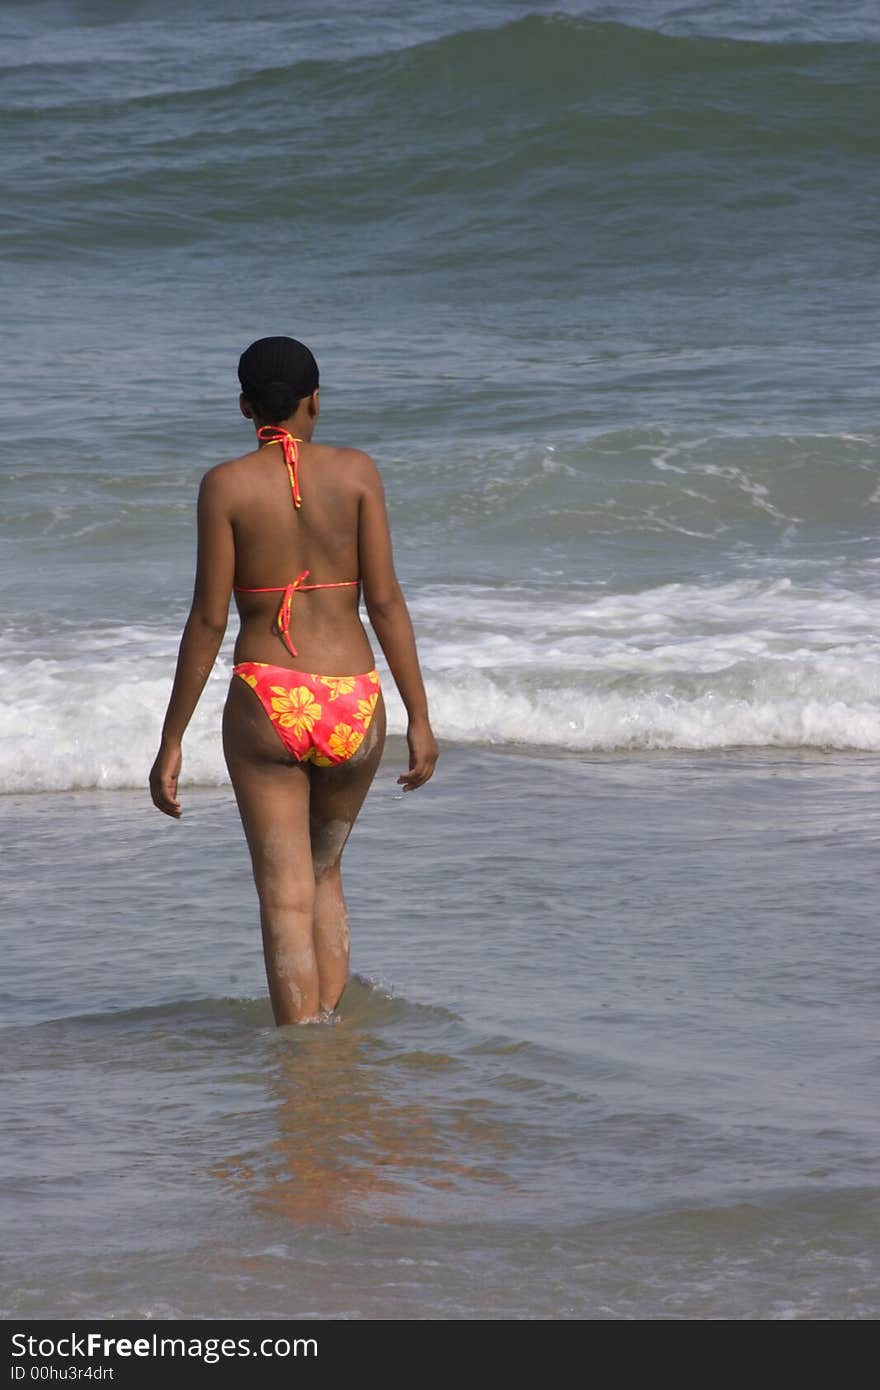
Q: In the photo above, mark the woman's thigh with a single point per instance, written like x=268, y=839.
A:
x=273, y=793
x=337, y=794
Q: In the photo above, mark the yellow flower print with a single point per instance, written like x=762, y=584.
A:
x=373, y=677
x=344, y=741
x=366, y=709
x=295, y=709
x=251, y=681
x=339, y=685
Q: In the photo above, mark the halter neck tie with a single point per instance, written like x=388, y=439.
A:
x=274, y=434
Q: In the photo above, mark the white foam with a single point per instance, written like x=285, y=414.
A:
x=98, y=724
x=689, y=666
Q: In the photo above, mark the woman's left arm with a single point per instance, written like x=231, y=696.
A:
x=202, y=634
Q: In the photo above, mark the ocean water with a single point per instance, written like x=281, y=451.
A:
x=597, y=286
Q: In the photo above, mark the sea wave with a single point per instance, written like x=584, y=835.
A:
x=554, y=55
x=629, y=482
x=675, y=666
x=649, y=483
x=521, y=108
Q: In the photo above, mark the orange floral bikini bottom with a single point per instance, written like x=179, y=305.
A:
x=319, y=719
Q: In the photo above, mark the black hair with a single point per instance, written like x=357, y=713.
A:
x=275, y=375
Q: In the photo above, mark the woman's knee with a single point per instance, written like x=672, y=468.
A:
x=287, y=895
x=328, y=841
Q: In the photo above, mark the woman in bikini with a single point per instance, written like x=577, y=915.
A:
x=297, y=530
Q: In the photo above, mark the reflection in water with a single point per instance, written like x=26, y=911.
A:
x=348, y=1143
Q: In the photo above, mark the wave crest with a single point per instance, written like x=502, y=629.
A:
x=674, y=666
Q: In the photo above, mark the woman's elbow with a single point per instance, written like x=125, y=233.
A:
x=384, y=607
x=208, y=626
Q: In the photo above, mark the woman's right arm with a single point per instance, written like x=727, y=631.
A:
x=202, y=636
x=389, y=616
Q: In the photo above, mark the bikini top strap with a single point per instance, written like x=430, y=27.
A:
x=274, y=434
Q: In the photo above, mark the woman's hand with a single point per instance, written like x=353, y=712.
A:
x=163, y=779
x=423, y=754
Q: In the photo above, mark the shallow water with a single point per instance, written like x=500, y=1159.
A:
x=620, y=1063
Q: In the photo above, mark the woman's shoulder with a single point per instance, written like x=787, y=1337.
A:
x=228, y=471
x=350, y=467
x=355, y=465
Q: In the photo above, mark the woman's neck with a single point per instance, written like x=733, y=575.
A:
x=301, y=425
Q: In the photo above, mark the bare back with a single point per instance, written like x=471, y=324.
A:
x=275, y=541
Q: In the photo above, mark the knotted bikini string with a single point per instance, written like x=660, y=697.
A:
x=274, y=434
x=285, y=610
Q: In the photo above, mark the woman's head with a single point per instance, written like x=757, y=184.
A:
x=275, y=375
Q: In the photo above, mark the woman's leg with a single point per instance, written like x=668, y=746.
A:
x=272, y=791
x=337, y=795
